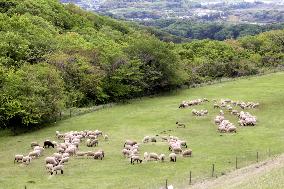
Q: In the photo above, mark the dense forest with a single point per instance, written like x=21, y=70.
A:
x=55, y=56
x=209, y=30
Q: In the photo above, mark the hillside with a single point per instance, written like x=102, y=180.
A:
x=219, y=20
x=267, y=174
x=80, y=59
x=152, y=116
x=261, y=11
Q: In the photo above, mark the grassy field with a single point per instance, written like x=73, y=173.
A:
x=266, y=174
x=268, y=180
x=150, y=116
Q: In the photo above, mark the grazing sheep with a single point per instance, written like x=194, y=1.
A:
x=183, y=143
x=49, y=167
x=81, y=154
x=92, y=143
x=60, y=150
x=90, y=153
x=128, y=147
x=27, y=160
x=135, y=158
x=216, y=106
x=231, y=129
x=153, y=139
x=34, y=154
x=177, y=150
x=99, y=155
x=64, y=155
x=33, y=144
x=47, y=144
x=187, y=153
x=205, y=100
x=71, y=151
x=57, y=156
x=173, y=157
x=57, y=168
x=97, y=132
x=39, y=148
x=199, y=113
x=129, y=142
x=51, y=160
x=179, y=125
x=146, y=139
x=126, y=152
x=18, y=158
x=64, y=160
x=63, y=145
x=153, y=156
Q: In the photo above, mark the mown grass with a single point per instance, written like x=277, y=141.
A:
x=150, y=116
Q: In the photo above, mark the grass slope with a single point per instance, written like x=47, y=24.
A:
x=267, y=174
x=150, y=116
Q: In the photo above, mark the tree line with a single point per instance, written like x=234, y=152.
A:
x=55, y=56
x=210, y=30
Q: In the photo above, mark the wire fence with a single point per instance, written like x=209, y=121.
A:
x=220, y=168
x=72, y=112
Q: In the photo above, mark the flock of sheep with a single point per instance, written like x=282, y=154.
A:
x=245, y=118
x=69, y=142
x=194, y=102
x=176, y=146
x=69, y=146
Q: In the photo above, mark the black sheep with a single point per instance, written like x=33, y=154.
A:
x=47, y=144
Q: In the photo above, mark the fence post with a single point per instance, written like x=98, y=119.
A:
x=213, y=169
x=256, y=156
x=60, y=115
x=70, y=112
x=236, y=162
x=166, y=183
x=268, y=152
x=189, y=177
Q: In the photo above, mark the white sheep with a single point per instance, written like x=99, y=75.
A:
x=57, y=168
x=146, y=139
x=18, y=158
x=49, y=167
x=153, y=156
x=64, y=160
x=51, y=160
x=27, y=160
x=34, y=154
x=99, y=154
x=187, y=153
x=173, y=157
x=126, y=152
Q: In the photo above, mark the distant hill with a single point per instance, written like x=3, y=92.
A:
x=198, y=19
x=248, y=11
